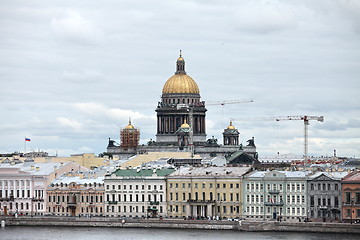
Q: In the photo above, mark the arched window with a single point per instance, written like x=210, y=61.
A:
x=196, y=196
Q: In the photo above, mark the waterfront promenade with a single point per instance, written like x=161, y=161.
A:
x=244, y=225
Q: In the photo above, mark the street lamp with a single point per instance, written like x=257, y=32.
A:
x=351, y=211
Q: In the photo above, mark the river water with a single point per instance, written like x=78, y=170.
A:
x=90, y=233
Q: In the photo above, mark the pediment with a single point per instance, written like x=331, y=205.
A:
x=323, y=177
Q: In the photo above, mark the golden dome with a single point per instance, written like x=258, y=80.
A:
x=185, y=125
x=180, y=83
x=129, y=126
x=230, y=126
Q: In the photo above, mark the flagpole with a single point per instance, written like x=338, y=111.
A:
x=24, y=146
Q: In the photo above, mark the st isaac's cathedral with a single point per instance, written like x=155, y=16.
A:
x=181, y=125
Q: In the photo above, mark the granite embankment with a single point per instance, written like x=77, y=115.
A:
x=245, y=225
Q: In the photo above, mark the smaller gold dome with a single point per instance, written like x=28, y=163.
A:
x=230, y=126
x=180, y=59
x=129, y=126
x=185, y=125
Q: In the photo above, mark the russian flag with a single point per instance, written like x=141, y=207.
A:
x=27, y=140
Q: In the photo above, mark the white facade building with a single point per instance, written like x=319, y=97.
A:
x=23, y=185
x=136, y=193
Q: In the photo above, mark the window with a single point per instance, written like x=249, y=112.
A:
x=183, y=185
x=231, y=185
x=357, y=197
x=312, y=186
x=211, y=185
x=347, y=197
x=237, y=185
x=203, y=185
x=336, y=186
x=224, y=185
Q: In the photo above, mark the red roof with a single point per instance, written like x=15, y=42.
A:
x=352, y=177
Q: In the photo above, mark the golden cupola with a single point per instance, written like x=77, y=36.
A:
x=180, y=82
x=185, y=124
x=230, y=126
x=129, y=126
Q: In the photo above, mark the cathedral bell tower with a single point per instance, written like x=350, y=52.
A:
x=180, y=96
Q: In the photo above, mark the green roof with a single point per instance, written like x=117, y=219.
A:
x=142, y=172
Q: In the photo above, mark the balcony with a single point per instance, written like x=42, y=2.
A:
x=37, y=199
x=274, y=203
x=274, y=191
x=201, y=201
x=112, y=202
x=11, y=198
x=155, y=203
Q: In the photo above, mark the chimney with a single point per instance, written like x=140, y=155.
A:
x=37, y=168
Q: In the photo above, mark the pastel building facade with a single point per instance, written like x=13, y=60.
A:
x=205, y=192
x=23, y=185
x=76, y=196
x=275, y=195
x=350, y=185
x=136, y=192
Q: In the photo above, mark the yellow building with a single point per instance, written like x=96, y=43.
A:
x=205, y=192
x=88, y=160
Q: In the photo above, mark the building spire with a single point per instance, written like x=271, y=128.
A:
x=180, y=65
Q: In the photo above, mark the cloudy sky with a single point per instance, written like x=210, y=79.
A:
x=73, y=72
